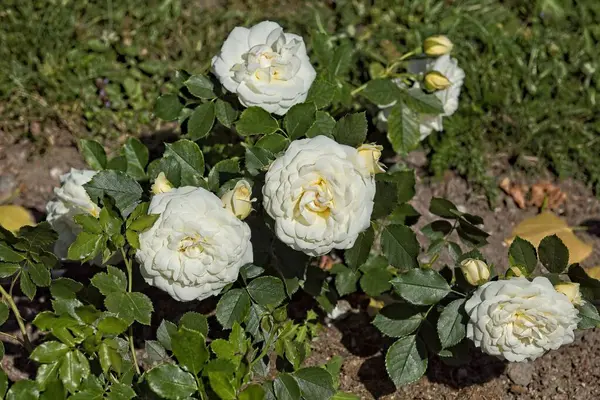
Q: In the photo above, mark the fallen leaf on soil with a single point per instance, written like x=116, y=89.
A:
x=546, y=190
x=593, y=272
x=14, y=217
x=536, y=228
x=517, y=192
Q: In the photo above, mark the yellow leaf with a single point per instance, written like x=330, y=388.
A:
x=14, y=217
x=536, y=228
x=593, y=272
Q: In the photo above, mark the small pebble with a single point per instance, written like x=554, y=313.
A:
x=520, y=373
x=518, y=389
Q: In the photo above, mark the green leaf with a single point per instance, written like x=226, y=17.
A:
x=225, y=113
x=421, y=286
x=554, y=255
x=201, y=121
x=89, y=223
x=112, y=325
x=167, y=165
x=65, y=288
x=323, y=125
x=345, y=396
x=200, y=86
x=190, y=159
x=122, y=188
x=190, y=349
x=398, y=320
x=403, y=129
x=8, y=269
x=315, y=383
x=194, y=321
x=452, y=324
x=27, y=286
x=522, y=253
x=222, y=171
x=221, y=380
x=421, y=102
x=23, y=390
x=376, y=278
x=321, y=93
x=274, y=142
x=258, y=159
x=40, y=275
x=9, y=255
x=357, y=255
x=3, y=313
x=256, y=121
x=137, y=156
x=156, y=352
x=168, y=107
x=46, y=374
x=73, y=369
x=130, y=306
x=171, y=382
x=93, y=153
x=589, y=316
x=341, y=61
x=400, y=245
x=110, y=282
x=49, y=352
x=252, y=392
x=351, y=129
x=345, y=281
x=143, y=223
x=120, y=391
x=406, y=360
x=382, y=92
x=86, y=246
x=298, y=119
x=443, y=208
x=267, y=291
x=286, y=387
x=233, y=307
x=164, y=332
x=117, y=163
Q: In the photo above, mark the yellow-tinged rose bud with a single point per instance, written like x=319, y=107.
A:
x=436, y=81
x=161, y=184
x=514, y=272
x=571, y=290
x=437, y=45
x=369, y=155
x=237, y=200
x=476, y=272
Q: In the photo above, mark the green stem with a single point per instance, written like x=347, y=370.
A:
x=265, y=349
x=459, y=293
x=358, y=90
x=18, y=317
x=129, y=286
x=389, y=70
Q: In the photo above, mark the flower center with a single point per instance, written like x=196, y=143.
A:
x=192, y=246
x=274, y=61
x=316, y=198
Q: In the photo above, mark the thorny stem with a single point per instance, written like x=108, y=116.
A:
x=18, y=317
x=265, y=349
x=13, y=337
x=129, y=286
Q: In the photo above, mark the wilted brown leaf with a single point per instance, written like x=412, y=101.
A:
x=536, y=228
x=546, y=190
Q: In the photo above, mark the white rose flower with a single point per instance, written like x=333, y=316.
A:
x=265, y=67
x=446, y=66
x=195, y=247
x=71, y=199
x=518, y=320
x=320, y=195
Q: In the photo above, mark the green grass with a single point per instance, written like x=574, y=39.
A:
x=532, y=68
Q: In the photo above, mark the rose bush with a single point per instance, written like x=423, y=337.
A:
x=196, y=246
x=304, y=144
x=320, y=194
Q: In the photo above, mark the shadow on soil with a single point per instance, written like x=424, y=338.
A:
x=362, y=339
